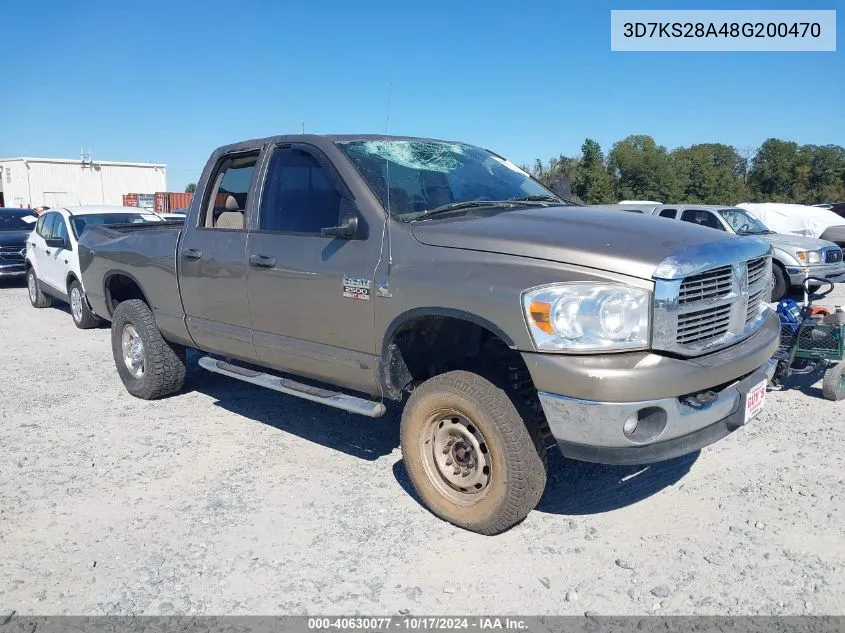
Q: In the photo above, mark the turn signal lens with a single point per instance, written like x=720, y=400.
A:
x=540, y=312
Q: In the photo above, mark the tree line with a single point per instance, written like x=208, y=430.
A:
x=637, y=168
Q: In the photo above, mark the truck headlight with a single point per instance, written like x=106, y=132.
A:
x=810, y=257
x=587, y=317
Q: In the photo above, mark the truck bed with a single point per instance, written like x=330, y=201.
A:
x=145, y=252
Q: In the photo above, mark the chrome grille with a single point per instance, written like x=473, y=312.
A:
x=754, y=302
x=703, y=325
x=832, y=255
x=708, y=285
x=756, y=271
x=698, y=311
x=12, y=253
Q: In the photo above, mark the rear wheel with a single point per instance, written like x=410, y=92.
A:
x=83, y=318
x=833, y=385
x=149, y=366
x=36, y=297
x=469, y=454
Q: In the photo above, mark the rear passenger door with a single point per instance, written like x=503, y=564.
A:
x=212, y=260
x=307, y=320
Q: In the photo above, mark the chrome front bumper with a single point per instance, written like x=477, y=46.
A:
x=832, y=272
x=596, y=431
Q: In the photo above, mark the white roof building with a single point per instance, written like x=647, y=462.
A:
x=59, y=182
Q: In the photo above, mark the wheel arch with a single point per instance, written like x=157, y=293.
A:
x=422, y=338
x=118, y=286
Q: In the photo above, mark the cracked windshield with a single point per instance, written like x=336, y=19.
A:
x=416, y=178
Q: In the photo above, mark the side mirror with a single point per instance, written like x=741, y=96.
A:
x=346, y=230
x=56, y=242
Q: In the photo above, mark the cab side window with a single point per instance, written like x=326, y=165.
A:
x=299, y=196
x=703, y=218
x=669, y=213
x=226, y=205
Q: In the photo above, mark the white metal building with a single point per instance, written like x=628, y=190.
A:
x=56, y=182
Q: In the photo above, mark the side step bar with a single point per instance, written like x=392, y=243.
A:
x=293, y=388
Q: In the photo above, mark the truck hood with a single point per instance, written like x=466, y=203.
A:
x=795, y=242
x=13, y=238
x=605, y=239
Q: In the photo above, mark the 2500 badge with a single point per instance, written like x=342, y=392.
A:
x=356, y=288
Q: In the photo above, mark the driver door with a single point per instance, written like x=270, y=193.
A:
x=48, y=258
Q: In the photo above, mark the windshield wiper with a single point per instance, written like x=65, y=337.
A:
x=460, y=206
x=538, y=198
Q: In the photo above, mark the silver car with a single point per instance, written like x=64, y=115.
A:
x=794, y=256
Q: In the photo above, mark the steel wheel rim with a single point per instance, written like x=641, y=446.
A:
x=76, y=304
x=456, y=457
x=133, y=350
x=33, y=290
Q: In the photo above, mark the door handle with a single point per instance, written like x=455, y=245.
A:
x=262, y=261
x=47, y=250
x=191, y=253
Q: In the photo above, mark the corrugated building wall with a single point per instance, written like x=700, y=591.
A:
x=36, y=182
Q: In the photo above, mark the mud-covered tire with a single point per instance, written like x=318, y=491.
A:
x=162, y=370
x=80, y=311
x=516, y=477
x=833, y=384
x=36, y=296
x=780, y=283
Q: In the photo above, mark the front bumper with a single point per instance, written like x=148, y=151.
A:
x=832, y=272
x=594, y=431
x=588, y=399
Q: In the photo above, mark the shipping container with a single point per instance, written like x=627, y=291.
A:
x=130, y=200
x=167, y=201
x=180, y=200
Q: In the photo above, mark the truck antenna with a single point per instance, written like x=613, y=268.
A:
x=387, y=183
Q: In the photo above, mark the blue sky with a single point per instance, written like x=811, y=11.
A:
x=169, y=81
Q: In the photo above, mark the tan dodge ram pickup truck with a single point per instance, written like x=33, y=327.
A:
x=356, y=271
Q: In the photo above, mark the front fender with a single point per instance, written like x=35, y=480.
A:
x=785, y=257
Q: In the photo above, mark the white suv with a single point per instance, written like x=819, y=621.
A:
x=52, y=255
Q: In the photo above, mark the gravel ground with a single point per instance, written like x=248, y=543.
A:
x=228, y=499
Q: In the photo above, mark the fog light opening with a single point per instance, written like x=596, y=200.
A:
x=645, y=425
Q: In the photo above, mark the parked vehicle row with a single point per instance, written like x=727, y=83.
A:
x=52, y=255
x=795, y=255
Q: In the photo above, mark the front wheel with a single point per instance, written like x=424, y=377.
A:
x=833, y=384
x=469, y=454
x=779, y=283
x=83, y=318
x=149, y=366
